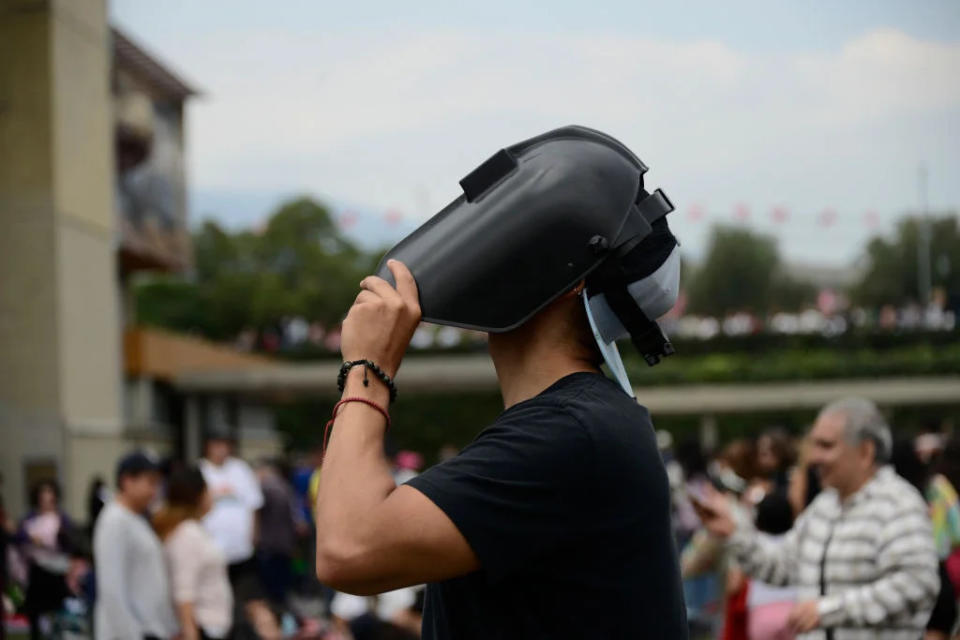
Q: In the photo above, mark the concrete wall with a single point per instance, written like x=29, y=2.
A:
x=59, y=323
x=257, y=436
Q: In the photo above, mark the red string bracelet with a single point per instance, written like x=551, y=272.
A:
x=336, y=408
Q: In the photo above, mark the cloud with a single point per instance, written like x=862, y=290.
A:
x=394, y=120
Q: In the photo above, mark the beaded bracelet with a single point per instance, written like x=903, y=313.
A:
x=368, y=365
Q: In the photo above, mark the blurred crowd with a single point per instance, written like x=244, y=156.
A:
x=832, y=316
x=211, y=550
x=223, y=549
x=743, y=579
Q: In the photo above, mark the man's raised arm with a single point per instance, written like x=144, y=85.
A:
x=371, y=535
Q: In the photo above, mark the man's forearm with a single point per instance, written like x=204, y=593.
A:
x=355, y=477
x=372, y=536
x=762, y=557
x=906, y=589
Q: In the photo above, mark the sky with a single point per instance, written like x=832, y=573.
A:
x=823, y=112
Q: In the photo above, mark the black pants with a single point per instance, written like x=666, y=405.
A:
x=944, y=612
x=245, y=581
x=275, y=574
x=45, y=594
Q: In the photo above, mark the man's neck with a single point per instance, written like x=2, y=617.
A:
x=526, y=367
x=846, y=494
x=124, y=502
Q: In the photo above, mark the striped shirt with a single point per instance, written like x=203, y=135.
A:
x=869, y=561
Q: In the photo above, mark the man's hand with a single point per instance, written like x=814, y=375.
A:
x=714, y=512
x=382, y=320
x=805, y=616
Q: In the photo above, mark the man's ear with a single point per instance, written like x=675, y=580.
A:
x=868, y=450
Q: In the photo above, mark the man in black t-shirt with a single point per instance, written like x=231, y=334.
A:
x=564, y=500
x=555, y=521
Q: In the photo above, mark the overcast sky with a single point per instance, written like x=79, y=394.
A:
x=384, y=106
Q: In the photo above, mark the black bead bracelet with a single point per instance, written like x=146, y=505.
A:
x=368, y=365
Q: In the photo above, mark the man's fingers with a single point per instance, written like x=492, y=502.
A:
x=700, y=507
x=380, y=287
x=366, y=296
x=801, y=618
x=712, y=495
x=406, y=285
x=792, y=619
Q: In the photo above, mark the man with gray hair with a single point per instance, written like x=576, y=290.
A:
x=861, y=555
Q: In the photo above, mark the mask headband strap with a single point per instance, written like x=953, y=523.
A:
x=655, y=206
x=638, y=224
x=646, y=333
x=611, y=355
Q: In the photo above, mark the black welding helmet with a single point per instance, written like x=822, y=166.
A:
x=536, y=219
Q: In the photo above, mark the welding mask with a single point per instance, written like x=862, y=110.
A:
x=536, y=219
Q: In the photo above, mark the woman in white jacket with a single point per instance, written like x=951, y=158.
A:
x=198, y=569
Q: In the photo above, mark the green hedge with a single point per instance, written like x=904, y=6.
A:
x=797, y=364
x=425, y=422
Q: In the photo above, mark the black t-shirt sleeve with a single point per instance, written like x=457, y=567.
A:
x=515, y=492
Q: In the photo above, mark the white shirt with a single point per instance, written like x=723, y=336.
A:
x=236, y=496
x=198, y=575
x=133, y=594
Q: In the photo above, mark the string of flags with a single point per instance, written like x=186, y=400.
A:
x=391, y=218
x=778, y=215
x=696, y=213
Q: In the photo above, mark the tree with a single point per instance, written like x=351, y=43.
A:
x=891, y=275
x=300, y=265
x=742, y=272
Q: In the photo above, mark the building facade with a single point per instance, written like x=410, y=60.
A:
x=92, y=193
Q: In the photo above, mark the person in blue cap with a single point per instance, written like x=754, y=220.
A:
x=133, y=591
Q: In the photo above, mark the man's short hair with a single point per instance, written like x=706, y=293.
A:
x=135, y=464
x=863, y=421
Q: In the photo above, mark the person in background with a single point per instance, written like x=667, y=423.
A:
x=98, y=495
x=133, y=593
x=198, y=569
x=946, y=486
x=300, y=480
x=861, y=555
x=775, y=458
x=278, y=524
x=407, y=465
x=915, y=469
x=804, y=482
x=732, y=472
x=44, y=537
x=447, y=451
x=769, y=606
x=4, y=569
x=236, y=498
x=232, y=522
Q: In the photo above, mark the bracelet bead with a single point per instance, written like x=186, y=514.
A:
x=370, y=366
